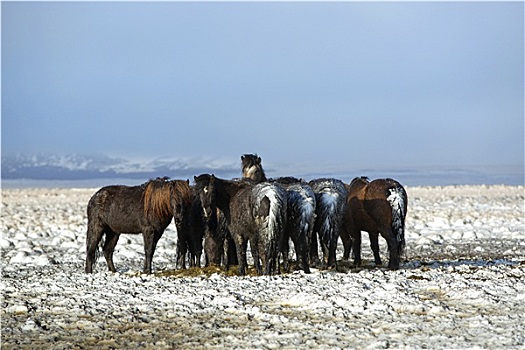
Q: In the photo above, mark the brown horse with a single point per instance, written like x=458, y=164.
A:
x=146, y=209
x=377, y=207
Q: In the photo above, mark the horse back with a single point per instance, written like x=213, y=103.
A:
x=377, y=201
x=118, y=207
x=367, y=208
x=241, y=206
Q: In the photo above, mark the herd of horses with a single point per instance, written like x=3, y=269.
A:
x=222, y=216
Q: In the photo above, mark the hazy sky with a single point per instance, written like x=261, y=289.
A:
x=361, y=84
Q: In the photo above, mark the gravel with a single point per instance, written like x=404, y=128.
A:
x=462, y=286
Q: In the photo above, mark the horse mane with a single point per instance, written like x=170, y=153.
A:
x=363, y=179
x=157, y=196
x=287, y=180
x=183, y=191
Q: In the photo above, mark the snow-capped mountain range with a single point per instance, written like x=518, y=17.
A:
x=75, y=166
x=94, y=167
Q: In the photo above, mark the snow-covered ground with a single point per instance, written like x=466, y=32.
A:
x=462, y=287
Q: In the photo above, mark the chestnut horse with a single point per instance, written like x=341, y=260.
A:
x=146, y=209
x=377, y=207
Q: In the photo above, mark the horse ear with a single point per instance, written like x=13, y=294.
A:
x=258, y=160
x=242, y=158
x=188, y=181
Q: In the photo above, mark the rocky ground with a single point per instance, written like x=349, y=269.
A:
x=463, y=285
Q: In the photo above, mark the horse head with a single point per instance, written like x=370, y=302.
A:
x=252, y=168
x=205, y=186
x=181, y=199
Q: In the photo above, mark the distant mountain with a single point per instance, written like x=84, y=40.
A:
x=100, y=167
x=81, y=167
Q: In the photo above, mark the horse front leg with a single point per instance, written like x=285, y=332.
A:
x=374, y=245
x=109, y=248
x=196, y=250
x=182, y=249
x=150, y=243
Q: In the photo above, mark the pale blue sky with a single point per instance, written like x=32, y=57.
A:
x=321, y=84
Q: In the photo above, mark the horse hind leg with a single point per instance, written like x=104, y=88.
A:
x=374, y=245
x=241, y=246
x=314, y=250
x=356, y=246
x=301, y=253
x=109, y=248
x=93, y=238
x=347, y=242
x=393, y=249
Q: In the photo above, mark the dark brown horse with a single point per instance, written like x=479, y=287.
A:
x=300, y=213
x=146, y=209
x=219, y=248
x=377, y=207
x=255, y=213
x=190, y=232
x=252, y=168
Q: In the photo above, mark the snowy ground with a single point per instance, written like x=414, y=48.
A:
x=462, y=287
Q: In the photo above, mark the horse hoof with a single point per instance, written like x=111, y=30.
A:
x=393, y=266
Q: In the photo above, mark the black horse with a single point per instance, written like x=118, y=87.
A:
x=377, y=207
x=300, y=220
x=219, y=248
x=190, y=232
x=254, y=212
x=146, y=209
x=330, y=195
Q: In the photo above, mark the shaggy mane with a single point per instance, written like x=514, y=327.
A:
x=157, y=196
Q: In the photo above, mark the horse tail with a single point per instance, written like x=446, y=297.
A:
x=331, y=211
x=307, y=212
x=398, y=202
x=271, y=201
